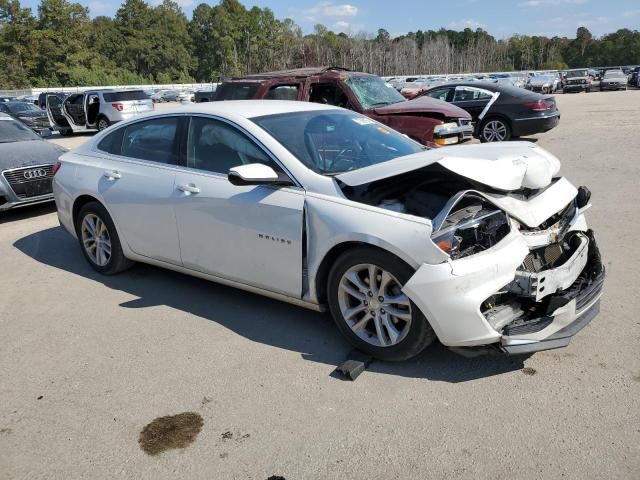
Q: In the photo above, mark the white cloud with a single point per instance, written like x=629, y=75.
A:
x=466, y=23
x=324, y=10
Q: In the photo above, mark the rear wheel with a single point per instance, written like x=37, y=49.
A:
x=366, y=301
x=99, y=240
x=495, y=130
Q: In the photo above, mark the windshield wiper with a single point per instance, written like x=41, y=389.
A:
x=380, y=104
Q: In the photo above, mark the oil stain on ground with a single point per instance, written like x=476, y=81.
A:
x=166, y=433
x=529, y=371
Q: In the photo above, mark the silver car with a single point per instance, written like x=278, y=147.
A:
x=613, y=80
x=95, y=109
x=483, y=247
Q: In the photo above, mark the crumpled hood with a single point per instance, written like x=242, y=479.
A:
x=24, y=154
x=424, y=104
x=504, y=166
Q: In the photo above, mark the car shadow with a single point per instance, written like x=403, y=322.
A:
x=24, y=213
x=254, y=317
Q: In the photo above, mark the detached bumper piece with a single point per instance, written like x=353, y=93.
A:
x=568, y=310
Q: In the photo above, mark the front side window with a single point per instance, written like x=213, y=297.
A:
x=336, y=141
x=153, y=140
x=215, y=146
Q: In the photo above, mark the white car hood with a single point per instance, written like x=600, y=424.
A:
x=503, y=166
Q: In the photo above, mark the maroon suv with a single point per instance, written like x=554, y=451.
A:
x=429, y=121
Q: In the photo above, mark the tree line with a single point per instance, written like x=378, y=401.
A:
x=61, y=45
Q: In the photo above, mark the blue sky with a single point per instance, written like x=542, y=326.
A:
x=501, y=18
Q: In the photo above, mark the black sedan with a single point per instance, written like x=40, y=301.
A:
x=27, y=165
x=27, y=113
x=500, y=112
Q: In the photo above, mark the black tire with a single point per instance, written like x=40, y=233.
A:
x=117, y=262
x=103, y=123
x=65, y=132
x=484, y=137
x=420, y=334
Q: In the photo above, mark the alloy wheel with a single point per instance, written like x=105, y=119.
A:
x=96, y=240
x=102, y=124
x=373, y=305
x=494, y=131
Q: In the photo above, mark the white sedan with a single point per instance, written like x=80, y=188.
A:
x=482, y=247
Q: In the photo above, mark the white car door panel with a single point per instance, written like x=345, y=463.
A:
x=249, y=234
x=140, y=198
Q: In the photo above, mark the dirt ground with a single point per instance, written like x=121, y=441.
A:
x=87, y=362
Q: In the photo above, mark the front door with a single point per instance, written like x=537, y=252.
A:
x=248, y=234
x=56, y=116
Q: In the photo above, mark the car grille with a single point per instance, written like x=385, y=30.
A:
x=550, y=255
x=30, y=182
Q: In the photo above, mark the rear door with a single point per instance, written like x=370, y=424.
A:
x=139, y=165
x=472, y=99
x=73, y=109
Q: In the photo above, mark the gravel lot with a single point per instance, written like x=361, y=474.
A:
x=87, y=361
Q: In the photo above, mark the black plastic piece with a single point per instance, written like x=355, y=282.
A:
x=584, y=195
x=356, y=363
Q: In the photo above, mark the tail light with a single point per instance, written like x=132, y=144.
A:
x=118, y=106
x=539, y=106
x=56, y=167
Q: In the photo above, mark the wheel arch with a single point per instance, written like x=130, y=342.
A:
x=322, y=272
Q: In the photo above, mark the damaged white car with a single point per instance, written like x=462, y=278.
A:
x=483, y=247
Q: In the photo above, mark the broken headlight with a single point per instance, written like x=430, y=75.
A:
x=471, y=229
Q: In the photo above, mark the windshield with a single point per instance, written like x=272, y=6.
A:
x=22, y=107
x=14, y=131
x=335, y=141
x=372, y=91
x=613, y=73
x=576, y=73
x=541, y=78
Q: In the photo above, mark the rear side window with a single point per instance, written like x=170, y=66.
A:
x=112, y=143
x=237, y=91
x=439, y=94
x=155, y=140
x=125, y=96
x=282, y=92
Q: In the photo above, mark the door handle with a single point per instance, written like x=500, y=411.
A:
x=188, y=189
x=111, y=175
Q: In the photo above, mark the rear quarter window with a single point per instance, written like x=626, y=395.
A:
x=125, y=96
x=237, y=91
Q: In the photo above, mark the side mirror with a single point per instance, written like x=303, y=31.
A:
x=256, y=174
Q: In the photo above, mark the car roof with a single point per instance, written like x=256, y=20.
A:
x=251, y=108
x=294, y=72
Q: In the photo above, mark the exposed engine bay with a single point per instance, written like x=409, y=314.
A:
x=466, y=221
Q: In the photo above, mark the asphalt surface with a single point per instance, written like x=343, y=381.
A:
x=86, y=362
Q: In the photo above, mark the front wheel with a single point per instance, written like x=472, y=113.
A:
x=99, y=240
x=367, y=303
x=495, y=130
x=103, y=124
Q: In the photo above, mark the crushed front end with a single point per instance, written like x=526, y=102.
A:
x=509, y=287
